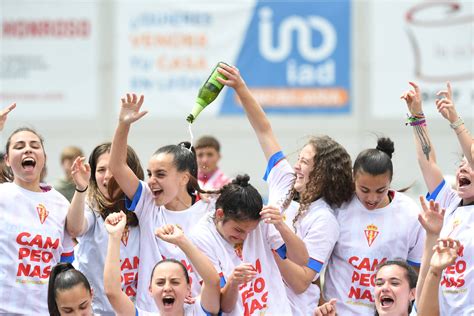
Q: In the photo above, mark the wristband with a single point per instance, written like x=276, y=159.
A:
x=82, y=191
x=457, y=123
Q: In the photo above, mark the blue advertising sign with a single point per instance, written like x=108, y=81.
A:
x=295, y=58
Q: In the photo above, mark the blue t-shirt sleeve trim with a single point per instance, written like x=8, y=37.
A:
x=67, y=257
x=207, y=313
x=222, y=278
x=315, y=265
x=132, y=204
x=436, y=191
x=272, y=162
x=136, y=311
x=282, y=251
x=414, y=264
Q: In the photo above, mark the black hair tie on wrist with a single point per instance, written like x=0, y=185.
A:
x=82, y=191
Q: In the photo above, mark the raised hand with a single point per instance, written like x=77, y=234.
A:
x=413, y=99
x=115, y=224
x=4, y=115
x=243, y=273
x=232, y=74
x=445, y=253
x=445, y=104
x=271, y=215
x=170, y=233
x=327, y=309
x=130, y=110
x=81, y=173
x=431, y=217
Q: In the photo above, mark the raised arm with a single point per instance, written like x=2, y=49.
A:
x=121, y=303
x=76, y=222
x=424, y=148
x=445, y=106
x=210, y=291
x=431, y=218
x=241, y=274
x=129, y=113
x=4, y=115
x=294, y=268
x=255, y=114
x=445, y=254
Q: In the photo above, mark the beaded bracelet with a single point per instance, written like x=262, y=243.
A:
x=416, y=121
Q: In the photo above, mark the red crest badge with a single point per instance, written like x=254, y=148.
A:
x=238, y=250
x=42, y=212
x=125, y=234
x=371, y=232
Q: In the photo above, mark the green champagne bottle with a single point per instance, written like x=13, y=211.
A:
x=208, y=93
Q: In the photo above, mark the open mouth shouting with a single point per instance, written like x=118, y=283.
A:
x=156, y=193
x=386, y=301
x=28, y=163
x=463, y=181
x=168, y=301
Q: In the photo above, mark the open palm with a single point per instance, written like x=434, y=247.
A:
x=130, y=109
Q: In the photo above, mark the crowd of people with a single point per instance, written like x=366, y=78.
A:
x=334, y=237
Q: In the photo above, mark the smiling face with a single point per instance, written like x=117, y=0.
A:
x=74, y=301
x=164, y=180
x=102, y=173
x=464, y=181
x=233, y=231
x=26, y=157
x=392, y=291
x=303, y=167
x=169, y=288
x=372, y=191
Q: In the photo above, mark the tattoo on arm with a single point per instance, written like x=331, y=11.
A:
x=424, y=141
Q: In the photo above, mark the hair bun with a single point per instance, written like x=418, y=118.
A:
x=241, y=180
x=386, y=145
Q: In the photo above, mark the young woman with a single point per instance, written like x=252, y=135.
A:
x=169, y=282
x=245, y=251
x=85, y=220
x=69, y=292
x=394, y=291
x=168, y=197
x=33, y=216
x=377, y=225
x=456, y=291
x=321, y=179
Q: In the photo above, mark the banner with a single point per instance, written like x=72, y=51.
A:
x=294, y=56
x=48, y=62
x=428, y=42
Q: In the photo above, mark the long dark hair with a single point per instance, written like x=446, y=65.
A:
x=63, y=277
x=376, y=161
x=239, y=200
x=330, y=179
x=184, y=159
x=116, y=201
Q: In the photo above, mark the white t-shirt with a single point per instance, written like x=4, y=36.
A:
x=91, y=254
x=367, y=239
x=195, y=309
x=32, y=241
x=318, y=229
x=266, y=293
x=153, y=249
x=456, y=291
